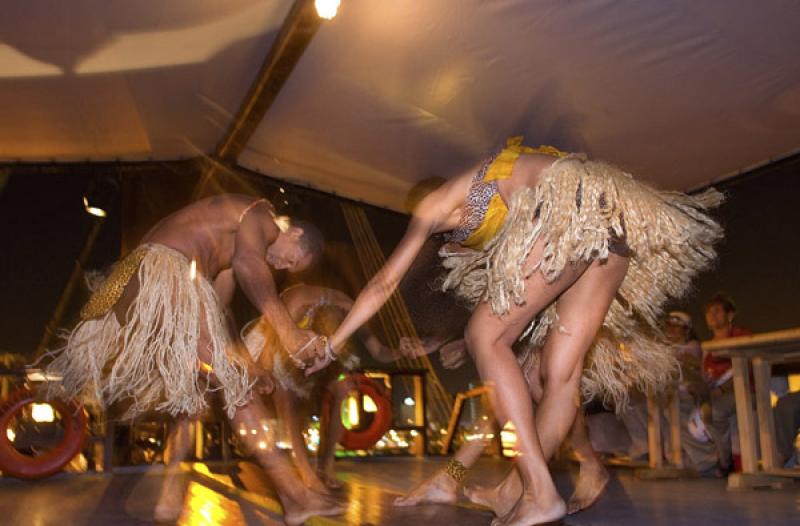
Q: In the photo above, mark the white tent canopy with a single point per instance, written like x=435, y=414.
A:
x=681, y=93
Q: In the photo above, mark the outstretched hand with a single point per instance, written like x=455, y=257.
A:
x=412, y=347
x=454, y=354
x=306, y=347
x=319, y=364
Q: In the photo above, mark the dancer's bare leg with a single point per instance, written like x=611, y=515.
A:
x=170, y=501
x=489, y=338
x=442, y=488
x=332, y=433
x=585, y=295
x=285, y=405
x=593, y=476
x=299, y=502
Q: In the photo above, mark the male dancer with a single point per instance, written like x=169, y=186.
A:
x=156, y=333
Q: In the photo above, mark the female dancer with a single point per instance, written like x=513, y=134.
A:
x=320, y=309
x=580, y=247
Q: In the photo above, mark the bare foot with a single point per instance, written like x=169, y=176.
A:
x=170, y=502
x=312, y=481
x=440, y=489
x=296, y=513
x=500, y=498
x=592, y=481
x=329, y=480
x=534, y=512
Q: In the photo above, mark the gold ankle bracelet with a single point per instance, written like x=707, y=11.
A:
x=456, y=470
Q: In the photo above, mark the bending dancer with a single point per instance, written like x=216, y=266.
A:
x=321, y=309
x=580, y=246
x=443, y=486
x=156, y=335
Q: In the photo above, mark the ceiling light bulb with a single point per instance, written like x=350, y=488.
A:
x=327, y=8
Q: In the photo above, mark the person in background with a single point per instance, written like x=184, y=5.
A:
x=720, y=312
x=696, y=441
x=787, y=424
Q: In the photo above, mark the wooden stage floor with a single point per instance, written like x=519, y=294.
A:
x=238, y=495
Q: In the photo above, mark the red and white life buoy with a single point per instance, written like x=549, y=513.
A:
x=16, y=464
x=354, y=439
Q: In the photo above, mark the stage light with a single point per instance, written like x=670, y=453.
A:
x=409, y=401
x=100, y=196
x=93, y=210
x=281, y=190
x=43, y=413
x=327, y=8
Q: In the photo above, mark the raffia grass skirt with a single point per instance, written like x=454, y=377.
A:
x=152, y=361
x=670, y=236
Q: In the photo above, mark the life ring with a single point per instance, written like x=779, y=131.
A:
x=381, y=422
x=16, y=464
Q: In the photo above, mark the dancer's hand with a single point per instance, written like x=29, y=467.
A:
x=318, y=365
x=305, y=348
x=264, y=385
x=411, y=347
x=454, y=354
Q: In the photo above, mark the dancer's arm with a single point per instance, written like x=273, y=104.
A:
x=434, y=214
x=256, y=232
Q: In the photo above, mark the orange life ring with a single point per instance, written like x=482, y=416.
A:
x=381, y=422
x=14, y=463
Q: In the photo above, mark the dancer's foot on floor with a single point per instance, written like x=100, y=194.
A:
x=440, y=489
x=170, y=502
x=313, y=482
x=296, y=513
x=592, y=481
x=329, y=480
x=529, y=511
x=500, y=498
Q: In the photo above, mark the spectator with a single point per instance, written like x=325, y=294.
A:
x=696, y=441
x=719, y=313
x=787, y=423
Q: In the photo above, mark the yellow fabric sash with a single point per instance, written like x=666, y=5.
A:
x=502, y=168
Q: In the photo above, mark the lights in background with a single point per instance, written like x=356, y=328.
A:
x=369, y=405
x=327, y=8
x=508, y=439
x=93, y=210
x=43, y=413
x=352, y=411
x=409, y=401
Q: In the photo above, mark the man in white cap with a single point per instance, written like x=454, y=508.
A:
x=696, y=442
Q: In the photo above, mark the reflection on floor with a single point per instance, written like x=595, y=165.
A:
x=240, y=494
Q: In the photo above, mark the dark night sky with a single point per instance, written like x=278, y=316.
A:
x=43, y=226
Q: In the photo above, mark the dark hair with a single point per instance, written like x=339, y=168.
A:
x=311, y=240
x=420, y=190
x=721, y=299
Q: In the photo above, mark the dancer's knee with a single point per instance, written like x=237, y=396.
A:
x=559, y=375
x=479, y=340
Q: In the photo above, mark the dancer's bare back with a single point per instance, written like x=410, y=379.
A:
x=209, y=231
